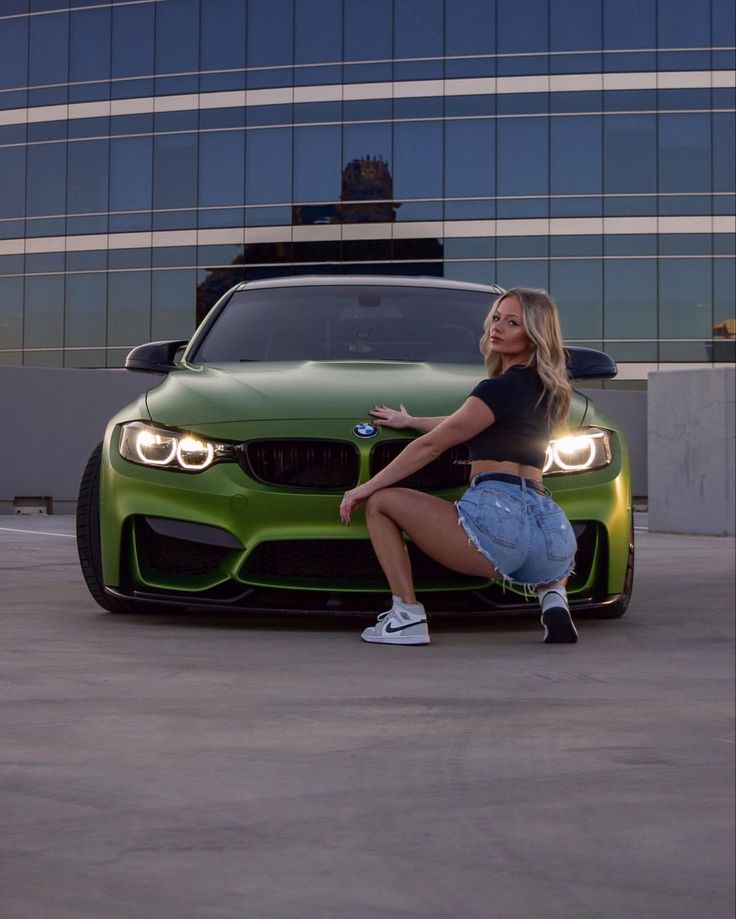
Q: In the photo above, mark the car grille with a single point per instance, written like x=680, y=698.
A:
x=336, y=563
x=165, y=556
x=302, y=463
x=450, y=470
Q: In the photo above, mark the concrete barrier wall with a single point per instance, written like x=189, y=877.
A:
x=692, y=434
x=51, y=419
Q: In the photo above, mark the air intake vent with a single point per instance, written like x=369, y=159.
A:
x=166, y=556
x=337, y=563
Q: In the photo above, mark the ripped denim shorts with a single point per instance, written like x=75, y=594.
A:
x=522, y=532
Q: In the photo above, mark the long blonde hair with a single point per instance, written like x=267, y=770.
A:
x=541, y=322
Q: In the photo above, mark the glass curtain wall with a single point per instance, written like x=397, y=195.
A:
x=153, y=154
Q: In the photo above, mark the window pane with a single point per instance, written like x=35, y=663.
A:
x=724, y=152
x=173, y=304
x=175, y=171
x=575, y=25
x=418, y=28
x=318, y=31
x=13, y=52
x=49, y=47
x=11, y=317
x=222, y=168
x=270, y=32
x=268, y=166
x=683, y=23
x=723, y=23
x=177, y=36
x=85, y=319
x=470, y=148
x=368, y=30
x=223, y=33
x=366, y=174
x=129, y=308
x=629, y=24
x=13, y=171
x=630, y=296
x=684, y=153
x=470, y=27
x=577, y=286
x=522, y=156
x=132, y=40
x=90, y=45
x=44, y=315
x=46, y=179
x=630, y=153
x=87, y=176
x=418, y=160
x=130, y=173
x=576, y=162
x=522, y=25
x=317, y=163
x=685, y=309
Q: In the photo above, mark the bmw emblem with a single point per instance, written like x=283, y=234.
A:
x=365, y=429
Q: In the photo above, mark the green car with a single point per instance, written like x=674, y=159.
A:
x=220, y=486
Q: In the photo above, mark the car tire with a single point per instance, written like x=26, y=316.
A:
x=88, y=542
x=619, y=607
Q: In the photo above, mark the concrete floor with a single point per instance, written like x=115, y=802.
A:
x=210, y=766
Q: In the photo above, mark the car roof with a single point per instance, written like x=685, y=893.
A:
x=369, y=280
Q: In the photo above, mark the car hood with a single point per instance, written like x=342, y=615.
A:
x=194, y=395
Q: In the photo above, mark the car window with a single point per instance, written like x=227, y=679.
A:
x=336, y=323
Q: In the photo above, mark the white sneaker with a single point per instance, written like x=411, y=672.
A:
x=403, y=624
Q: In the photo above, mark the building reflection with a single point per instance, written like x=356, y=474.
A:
x=366, y=197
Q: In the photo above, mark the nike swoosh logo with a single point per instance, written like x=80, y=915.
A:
x=402, y=627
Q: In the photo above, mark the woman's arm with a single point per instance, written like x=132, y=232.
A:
x=387, y=417
x=470, y=419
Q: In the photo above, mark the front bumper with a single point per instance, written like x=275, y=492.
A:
x=220, y=538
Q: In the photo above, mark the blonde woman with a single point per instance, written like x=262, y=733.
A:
x=505, y=525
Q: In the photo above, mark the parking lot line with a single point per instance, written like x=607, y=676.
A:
x=37, y=532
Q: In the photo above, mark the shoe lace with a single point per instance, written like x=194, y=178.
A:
x=394, y=613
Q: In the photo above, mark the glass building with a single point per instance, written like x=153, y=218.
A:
x=155, y=152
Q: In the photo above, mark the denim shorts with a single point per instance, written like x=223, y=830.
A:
x=524, y=534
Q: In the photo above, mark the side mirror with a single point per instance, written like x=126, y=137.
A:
x=589, y=364
x=155, y=357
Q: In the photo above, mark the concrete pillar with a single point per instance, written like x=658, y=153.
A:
x=692, y=438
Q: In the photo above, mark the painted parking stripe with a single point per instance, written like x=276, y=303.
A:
x=37, y=532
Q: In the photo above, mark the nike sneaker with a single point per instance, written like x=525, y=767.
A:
x=403, y=624
x=559, y=629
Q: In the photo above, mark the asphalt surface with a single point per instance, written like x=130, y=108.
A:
x=216, y=766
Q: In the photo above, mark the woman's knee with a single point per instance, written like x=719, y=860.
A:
x=379, y=502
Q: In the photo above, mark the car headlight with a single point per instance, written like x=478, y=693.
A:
x=578, y=452
x=151, y=445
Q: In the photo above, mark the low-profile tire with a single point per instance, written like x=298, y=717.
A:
x=619, y=607
x=88, y=542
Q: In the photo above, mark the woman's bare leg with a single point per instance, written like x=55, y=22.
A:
x=432, y=524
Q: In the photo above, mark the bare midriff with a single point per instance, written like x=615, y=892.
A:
x=506, y=466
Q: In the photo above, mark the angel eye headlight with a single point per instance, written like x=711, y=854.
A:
x=578, y=452
x=148, y=446
x=151, y=445
x=193, y=453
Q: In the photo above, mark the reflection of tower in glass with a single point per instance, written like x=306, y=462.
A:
x=368, y=181
x=366, y=194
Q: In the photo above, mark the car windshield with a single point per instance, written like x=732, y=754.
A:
x=350, y=322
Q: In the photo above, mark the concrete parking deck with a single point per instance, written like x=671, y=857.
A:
x=216, y=766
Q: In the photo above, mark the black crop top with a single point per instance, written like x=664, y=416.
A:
x=521, y=431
